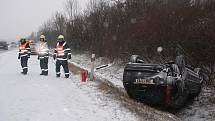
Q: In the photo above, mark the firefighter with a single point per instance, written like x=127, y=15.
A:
x=24, y=55
x=62, y=54
x=43, y=55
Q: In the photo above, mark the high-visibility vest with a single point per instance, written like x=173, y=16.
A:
x=22, y=48
x=43, y=49
x=60, y=50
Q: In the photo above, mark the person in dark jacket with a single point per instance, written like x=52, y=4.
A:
x=62, y=54
x=180, y=61
x=43, y=55
x=24, y=55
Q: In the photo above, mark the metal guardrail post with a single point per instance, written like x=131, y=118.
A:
x=92, y=67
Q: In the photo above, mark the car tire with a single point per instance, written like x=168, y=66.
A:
x=134, y=58
x=200, y=87
x=196, y=94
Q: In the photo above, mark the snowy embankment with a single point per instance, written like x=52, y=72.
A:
x=47, y=98
x=111, y=78
x=113, y=73
x=203, y=107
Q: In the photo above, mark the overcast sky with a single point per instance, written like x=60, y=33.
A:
x=21, y=17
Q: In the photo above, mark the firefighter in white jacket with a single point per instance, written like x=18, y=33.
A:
x=43, y=55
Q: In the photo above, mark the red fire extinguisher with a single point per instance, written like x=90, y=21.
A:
x=83, y=75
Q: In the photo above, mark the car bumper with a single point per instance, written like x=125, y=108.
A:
x=152, y=94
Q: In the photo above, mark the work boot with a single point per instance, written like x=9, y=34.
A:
x=67, y=76
x=42, y=73
x=58, y=75
x=46, y=73
x=23, y=73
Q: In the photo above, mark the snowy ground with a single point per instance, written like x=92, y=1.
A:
x=1, y=51
x=202, y=109
x=38, y=98
x=114, y=73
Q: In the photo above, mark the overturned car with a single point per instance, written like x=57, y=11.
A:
x=161, y=84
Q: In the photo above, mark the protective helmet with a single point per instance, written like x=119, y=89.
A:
x=60, y=37
x=22, y=39
x=42, y=38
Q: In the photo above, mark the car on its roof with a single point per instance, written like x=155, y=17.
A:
x=161, y=84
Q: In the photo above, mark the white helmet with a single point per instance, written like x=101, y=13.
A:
x=42, y=37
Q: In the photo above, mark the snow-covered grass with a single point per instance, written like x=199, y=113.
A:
x=202, y=109
x=113, y=73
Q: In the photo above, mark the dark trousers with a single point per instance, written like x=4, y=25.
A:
x=44, y=65
x=63, y=63
x=24, y=64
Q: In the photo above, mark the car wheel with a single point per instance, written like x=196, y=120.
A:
x=197, y=94
x=200, y=87
x=135, y=58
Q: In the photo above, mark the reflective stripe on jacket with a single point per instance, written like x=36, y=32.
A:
x=43, y=51
x=24, y=50
x=62, y=51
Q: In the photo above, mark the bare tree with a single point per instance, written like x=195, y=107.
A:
x=72, y=9
x=138, y=27
x=59, y=22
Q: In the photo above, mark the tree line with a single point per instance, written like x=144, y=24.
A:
x=120, y=28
